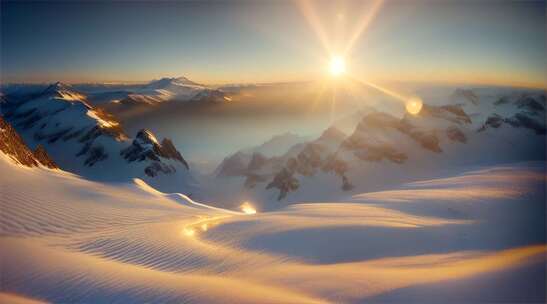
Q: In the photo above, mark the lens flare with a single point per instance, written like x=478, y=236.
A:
x=247, y=208
x=337, y=66
x=414, y=105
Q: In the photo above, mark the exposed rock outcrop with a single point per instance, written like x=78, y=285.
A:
x=145, y=146
x=13, y=145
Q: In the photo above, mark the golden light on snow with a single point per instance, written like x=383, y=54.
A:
x=204, y=227
x=190, y=232
x=247, y=208
x=337, y=66
x=414, y=105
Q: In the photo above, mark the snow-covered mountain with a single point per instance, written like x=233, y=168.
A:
x=152, y=93
x=88, y=141
x=237, y=163
x=510, y=127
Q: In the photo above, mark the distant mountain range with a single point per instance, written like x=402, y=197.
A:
x=152, y=93
x=466, y=130
x=67, y=126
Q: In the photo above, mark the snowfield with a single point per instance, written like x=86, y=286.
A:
x=474, y=237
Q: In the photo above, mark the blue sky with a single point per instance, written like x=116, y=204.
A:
x=225, y=42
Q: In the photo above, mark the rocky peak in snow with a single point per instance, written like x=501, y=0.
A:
x=450, y=113
x=145, y=146
x=465, y=96
x=64, y=92
x=145, y=138
x=13, y=146
x=332, y=134
x=234, y=165
x=378, y=137
x=525, y=111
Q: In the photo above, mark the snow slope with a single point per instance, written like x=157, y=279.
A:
x=475, y=236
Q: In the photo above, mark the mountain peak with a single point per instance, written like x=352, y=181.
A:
x=332, y=133
x=146, y=146
x=64, y=91
x=168, y=81
x=146, y=137
x=58, y=86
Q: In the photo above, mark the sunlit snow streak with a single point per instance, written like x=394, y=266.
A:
x=247, y=208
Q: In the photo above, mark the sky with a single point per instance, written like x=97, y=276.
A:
x=497, y=42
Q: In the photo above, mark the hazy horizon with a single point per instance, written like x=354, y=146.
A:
x=483, y=42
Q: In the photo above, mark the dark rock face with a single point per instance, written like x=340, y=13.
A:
x=452, y=113
x=285, y=182
x=518, y=120
x=41, y=155
x=13, y=145
x=235, y=165
x=378, y=149
x=339, y=167
x=308, y=161
x=502, y=100
x=316, y=156
x=379, y=152
x=493, y=121
x=167, y=150
x=145, y=146
x=455, y=134
x=427, y=139
x=212, y=96
x=253, y=179
x=531, y=115
x=257, y=161
x=156, y=167
x=95, y=154
x=467, y=95
x=531, y=104
x=524, y=121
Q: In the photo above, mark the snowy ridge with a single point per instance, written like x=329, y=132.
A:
x=156, y=92
x=90, y=142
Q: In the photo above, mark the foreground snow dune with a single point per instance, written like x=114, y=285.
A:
x=474, y=237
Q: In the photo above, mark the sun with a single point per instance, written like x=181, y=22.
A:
x=337, y=66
